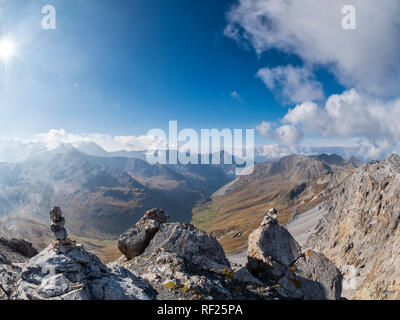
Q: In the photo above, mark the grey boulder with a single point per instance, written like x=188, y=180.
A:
x=271, y=250
x=134, y=241
x=312, y=277
x=274, y=256
x=195, y=246
x=183, y=262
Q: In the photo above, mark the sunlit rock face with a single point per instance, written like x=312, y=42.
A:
x=361, y=233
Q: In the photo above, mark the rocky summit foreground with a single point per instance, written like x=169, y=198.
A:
x=172, y=261
x=76, y=275
x=66, y=271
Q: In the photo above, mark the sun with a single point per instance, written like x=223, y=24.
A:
x=7, y=49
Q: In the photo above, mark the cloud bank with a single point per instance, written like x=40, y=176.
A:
x=16, y=149
x=54, y=137
x=366, y=61
x=374, y=122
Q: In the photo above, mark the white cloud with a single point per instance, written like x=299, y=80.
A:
x=289, y=135
x=139, y=143
x=367, y=58
x=286, y=134
x=236, y=96
x=272, y=151
x=292, y=84
x=54, y=137
x=345, y=116
x=276, y=151
x=264, y=128
x=349, y=115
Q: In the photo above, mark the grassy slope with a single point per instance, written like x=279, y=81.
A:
x=202, y=214
x=241, y=209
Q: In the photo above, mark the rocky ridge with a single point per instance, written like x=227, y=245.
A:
x=360, y=232
x=12, y=251
x=113, y=190
x=183, y=262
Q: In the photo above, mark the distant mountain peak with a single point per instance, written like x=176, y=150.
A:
x=91, y=148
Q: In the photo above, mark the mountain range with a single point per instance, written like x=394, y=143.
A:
x=345, y=209
x=104, y=193
x=292, y=185
x=100, y=195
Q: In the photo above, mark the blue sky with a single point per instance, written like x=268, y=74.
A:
x=136, y=64
x=125, y=67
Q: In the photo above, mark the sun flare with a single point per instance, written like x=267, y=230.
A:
x=7, y=49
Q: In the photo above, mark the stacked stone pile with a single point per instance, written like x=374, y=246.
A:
x=61, y=243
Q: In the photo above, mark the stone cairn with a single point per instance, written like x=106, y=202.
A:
x=62, y=243
x=270, y=216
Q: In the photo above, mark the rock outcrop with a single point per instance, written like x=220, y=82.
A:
x=183, y=262
x=66, y=271
x=133, y=242
x=275, y=257
x=195, y=246
x=312, y=277
x=360, y=232
x=75, y=275
x=15, y=250
x=271, y=250
x=172, y=261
